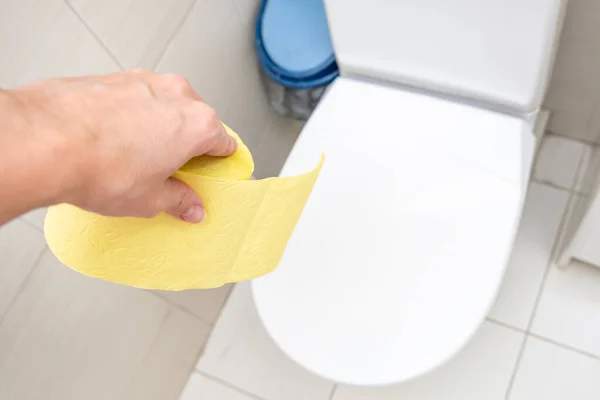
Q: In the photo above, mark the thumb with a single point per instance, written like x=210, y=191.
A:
x=180, y=201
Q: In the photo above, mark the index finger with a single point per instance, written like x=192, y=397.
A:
x=223, y=144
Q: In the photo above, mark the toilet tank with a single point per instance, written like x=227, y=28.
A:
x=498, y=52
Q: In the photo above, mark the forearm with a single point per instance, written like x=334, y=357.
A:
x=32, y=172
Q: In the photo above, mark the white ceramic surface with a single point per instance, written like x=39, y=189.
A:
x=382, y=279
x=498, y=52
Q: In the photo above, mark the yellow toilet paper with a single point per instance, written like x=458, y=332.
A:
x=244, y=234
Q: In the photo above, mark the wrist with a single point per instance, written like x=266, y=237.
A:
x=41, y=157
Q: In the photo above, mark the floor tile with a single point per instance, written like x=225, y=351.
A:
x=206, y=304
x=544, y=208
x=576, y=212
x=72, y=337
x=202, y=388
x=482, y=370
x=241, y=353
x=549, y=372
x=594, y=125
x=226, y=76
x=171, y=358
x=135, y=31
x=36, y=217
x=275, y=146
x=589, y=176
x=249, y=112
x=213, y=67
x=570, y=111
x=569, y=309
x=558, y=161
x=44, y=40
x=20, y=247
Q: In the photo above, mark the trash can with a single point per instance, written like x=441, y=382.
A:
x=295, y=54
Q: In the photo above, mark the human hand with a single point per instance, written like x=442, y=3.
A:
x=118, y=138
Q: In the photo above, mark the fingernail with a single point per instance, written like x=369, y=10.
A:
x=194, y=214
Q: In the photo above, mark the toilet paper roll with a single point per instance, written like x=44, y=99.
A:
x=243, y=236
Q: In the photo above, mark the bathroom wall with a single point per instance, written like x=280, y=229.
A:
x=574, y=92
x=214, y=49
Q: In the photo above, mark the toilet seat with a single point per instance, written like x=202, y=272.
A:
x=384, y=277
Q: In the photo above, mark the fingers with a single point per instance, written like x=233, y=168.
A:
x=167, y=85
x=223, y=144
x=180, y=201
x=205, y=134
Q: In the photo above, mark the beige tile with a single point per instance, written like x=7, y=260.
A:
x=45, y=39
x=275, y=146
x=569, y=308
x=549, y=372
x=481, y=371
x=576, y=211
x=575, y=85
x=558, y=161
x=206, y=304
x=202, y=388
x=249, y=113
x=589, y=175
x=570, y=114
x=210, y=50
x=241, y=353
x=171, y=358
x=594, y=124
x=224, y=71
x=247, y=11
x=20, y=247
x=532, y=252
x=135, y=31
x=578, y=56
x=72, y=337
x=36, y=217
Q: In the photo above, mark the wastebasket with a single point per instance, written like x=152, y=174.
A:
x=295, y=54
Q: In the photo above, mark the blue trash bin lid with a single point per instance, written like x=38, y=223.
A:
x=295, y=35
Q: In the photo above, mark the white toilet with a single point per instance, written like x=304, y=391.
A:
x=404, y=242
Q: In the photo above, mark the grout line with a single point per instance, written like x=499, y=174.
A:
x=562, y=136
x=175, y=305
x=579, y=173
x=200, y=351
x=23, y=284
x=557, y=187
x=31, y=224
x=551, y=184
x=333, y=390
x=181, y=307
x=134, y=381
x=565, y=346
x=227, y=384
x=549, y=262
x=93, y=33
x=513, y=376
x=174, y=34
x=505, y=325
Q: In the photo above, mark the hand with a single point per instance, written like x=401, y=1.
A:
x=122, y=136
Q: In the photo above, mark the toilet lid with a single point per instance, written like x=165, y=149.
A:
x=296, y=37
x=404, y=241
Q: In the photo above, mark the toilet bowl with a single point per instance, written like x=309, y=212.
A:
x=403, y=245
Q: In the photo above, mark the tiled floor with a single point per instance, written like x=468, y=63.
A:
x=63, y=336
x=540, y=341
